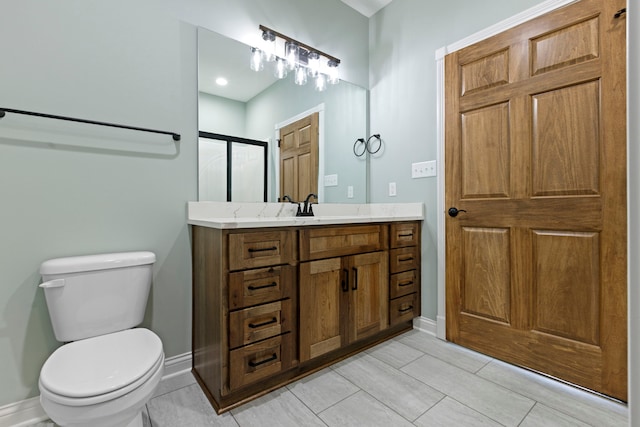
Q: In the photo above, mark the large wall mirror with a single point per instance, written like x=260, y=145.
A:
x=256, y=106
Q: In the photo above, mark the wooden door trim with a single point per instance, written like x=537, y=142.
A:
x=520, y=18
x=321, y=146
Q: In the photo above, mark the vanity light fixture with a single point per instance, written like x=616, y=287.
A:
x=291, y=55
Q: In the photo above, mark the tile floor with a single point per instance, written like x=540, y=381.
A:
x=414, y=379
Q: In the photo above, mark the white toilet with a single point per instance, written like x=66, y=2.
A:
x=107, y=371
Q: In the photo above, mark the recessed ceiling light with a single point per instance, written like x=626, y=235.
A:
x=221, y=81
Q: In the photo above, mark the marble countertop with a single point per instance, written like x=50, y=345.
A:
x=227, y=215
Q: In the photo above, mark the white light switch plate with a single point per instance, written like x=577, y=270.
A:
x=350, y=192
x=331, y=180
x=423, y=169
x=392, y=189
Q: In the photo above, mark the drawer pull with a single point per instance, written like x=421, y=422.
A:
x=410, y=282
x=355, y=279
x=259, y=325
x=405, y=259
x=253, y=363
x=404, y=310
x=255, y=288
x=406, y=235
x=273, y=248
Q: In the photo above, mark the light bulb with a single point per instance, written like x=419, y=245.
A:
x=291, y=54
x=321, y=82
x=280, y=68
x=332, y=72
x=314, y=63
x=256, y=59
x=269, y=45
x=301, y=76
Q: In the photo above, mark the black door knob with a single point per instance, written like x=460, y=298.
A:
x=453, y=212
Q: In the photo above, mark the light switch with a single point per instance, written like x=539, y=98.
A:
x=392, y=189
x=331, y=180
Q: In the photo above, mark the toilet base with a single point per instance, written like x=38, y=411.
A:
x=136, y=421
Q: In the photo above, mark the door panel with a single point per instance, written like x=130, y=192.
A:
x=566, y=140
x=567, y=285
x=369, y=294
x=485, y=152
x=535, y=152
x=487, y=284
x=321, y=307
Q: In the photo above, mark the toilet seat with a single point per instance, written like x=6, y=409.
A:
x=101, y=368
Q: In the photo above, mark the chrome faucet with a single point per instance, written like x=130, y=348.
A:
x=306, y=210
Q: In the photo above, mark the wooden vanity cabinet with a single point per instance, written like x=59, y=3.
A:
x=272, y=305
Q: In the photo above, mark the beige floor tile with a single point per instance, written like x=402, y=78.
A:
x=451, y=353
x=542, y=415
x=359, y=410
x=322, y=389
x=449, y=413
x=399, y=391
x=175, y=383
x=577, y=403
x=187, y=406
x=279, y=408
x=395, y=353
x=491, y=400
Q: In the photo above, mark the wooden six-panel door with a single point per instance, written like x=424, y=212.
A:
x=299, y=157
x=535, y=154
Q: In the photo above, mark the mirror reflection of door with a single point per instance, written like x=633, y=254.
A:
x=298, y=143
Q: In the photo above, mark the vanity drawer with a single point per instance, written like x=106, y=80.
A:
x=403, y=309
x=258, y=323
x=403, y=283
x=329, y=242
x=403, y=259
x=253, y=287
x=257, y=361
x=260, y=249
x=404, y=234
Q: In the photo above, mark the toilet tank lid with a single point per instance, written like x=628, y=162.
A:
x=78, y=264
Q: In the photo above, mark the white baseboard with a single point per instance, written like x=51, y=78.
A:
x=29, y=411
x=425, y=325
x=23, y=413
x=177, y=365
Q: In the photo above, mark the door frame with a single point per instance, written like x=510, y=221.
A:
x=520, y=18
x=276, y=149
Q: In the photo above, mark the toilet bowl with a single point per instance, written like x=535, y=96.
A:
x=103, y=381
x=106, y=374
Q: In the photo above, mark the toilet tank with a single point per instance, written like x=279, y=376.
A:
x=95, y=295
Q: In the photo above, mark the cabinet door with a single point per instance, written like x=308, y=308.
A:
x=323, y=306
x=368, y=294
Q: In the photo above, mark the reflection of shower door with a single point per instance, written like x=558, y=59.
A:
x=231, y=169
x=299, y=158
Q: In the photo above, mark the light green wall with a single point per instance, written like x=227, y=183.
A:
x=74, y=189
x=403, y=39
x=221, y=115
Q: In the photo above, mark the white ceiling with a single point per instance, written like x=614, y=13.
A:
x=367, y=7
x=220, y=56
